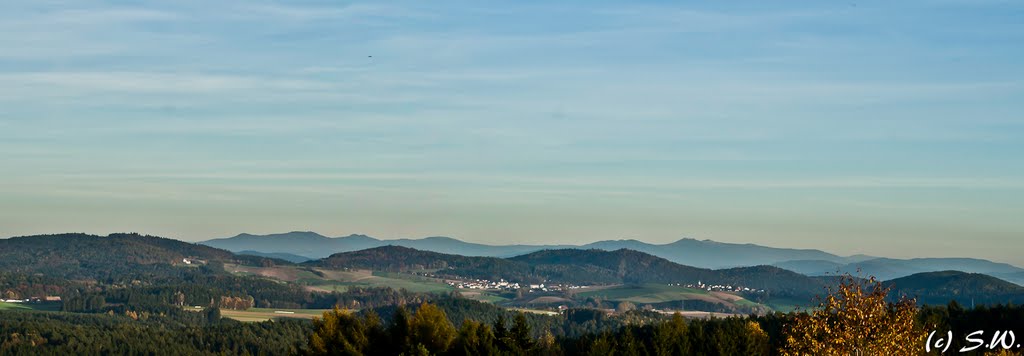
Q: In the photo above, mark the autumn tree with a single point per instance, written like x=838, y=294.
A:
x=624, y=306
x=855, y=319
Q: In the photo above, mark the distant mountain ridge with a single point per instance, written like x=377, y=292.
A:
x=573, y=266
x=691, y=252
x=889, y=268
x=313, y=245
x=278, y=255
x=687, y=251
x=966, y=288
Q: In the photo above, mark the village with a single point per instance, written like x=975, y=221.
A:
x=502, y=284
x=718, y=287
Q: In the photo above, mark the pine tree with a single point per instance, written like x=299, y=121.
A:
x=431, y=328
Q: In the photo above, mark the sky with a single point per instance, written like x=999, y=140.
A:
x=886, y=128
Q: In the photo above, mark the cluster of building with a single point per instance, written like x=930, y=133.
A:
x=554, y=287
x=510, y=286
x=720, y=287
x=484, y=284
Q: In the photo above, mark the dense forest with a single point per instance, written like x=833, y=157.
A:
x=444, y=325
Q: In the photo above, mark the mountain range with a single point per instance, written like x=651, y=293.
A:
x=698, y=253
x=889, y=268
x=312, y=245
x=133, y=257
x=305, y=245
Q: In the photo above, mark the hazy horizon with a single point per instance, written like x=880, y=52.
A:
x=885, y=129
x=540, y=243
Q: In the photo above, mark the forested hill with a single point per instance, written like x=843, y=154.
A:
x=404, y=259
x=629, y=266
x=573, y=266
x=965, y=288
x=609, y=267
x=83, y=256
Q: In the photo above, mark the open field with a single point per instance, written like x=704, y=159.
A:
x=785, y=304
x=264, y=314
x=284, y=273
x=655, y=293
x=378, y=279
x=659, y=293
x=548, y=300
x=30, y=306
x=13, y=306
x=326, y=280
x=535, y=311
x=482, y=296
x=699, y=314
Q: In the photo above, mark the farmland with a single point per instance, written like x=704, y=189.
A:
x=30, y=306
x=658, y=293
x=326, y=280
x=264, y=314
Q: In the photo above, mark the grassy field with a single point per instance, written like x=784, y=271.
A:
x=535, y=311
x=659, y=293
x=395, y=281
x=653, y=293
x=786, y=305
x=482, y=296
x=264, y=314
x=30, y=306
x=313, y=312
x=340, y=280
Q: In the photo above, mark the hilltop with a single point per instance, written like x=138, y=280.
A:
x=86, y=256
x=573, y=266
x=890, y=268
x=965, y=288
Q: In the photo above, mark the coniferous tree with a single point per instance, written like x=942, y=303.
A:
x=432, y=329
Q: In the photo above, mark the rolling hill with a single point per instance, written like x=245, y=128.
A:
x=278, y=255
x=712, y=254
x=302, y=243
x=966, y=288
x=691, y=252
x=889, y=268
x=573, y=266
x=82, y=256
x=132, y=256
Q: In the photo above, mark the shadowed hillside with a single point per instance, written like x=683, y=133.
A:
x=965, y=288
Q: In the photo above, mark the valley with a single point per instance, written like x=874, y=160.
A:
x=170, y=289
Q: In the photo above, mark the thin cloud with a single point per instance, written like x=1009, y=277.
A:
x=153, y=82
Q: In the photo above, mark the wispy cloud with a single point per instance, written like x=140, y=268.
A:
x=134, y=82
x=637, y=114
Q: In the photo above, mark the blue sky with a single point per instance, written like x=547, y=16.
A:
x=853, y=127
